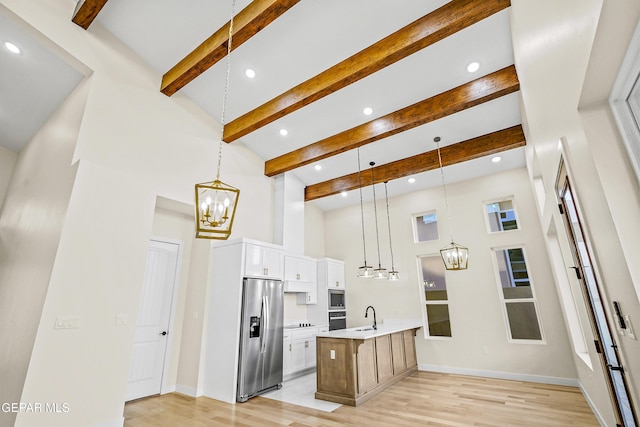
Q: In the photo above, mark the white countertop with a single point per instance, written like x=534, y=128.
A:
x=389, y=326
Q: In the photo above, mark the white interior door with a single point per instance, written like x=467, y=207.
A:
x=152, y=327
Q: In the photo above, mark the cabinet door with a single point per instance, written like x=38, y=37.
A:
x=308, y=297
x=397, y=351
x=253, y=261
x=291, y=268
x=366, y=360
x=410, y=349
x=272, y=263
x=298, y=359
x=335, y=275
x=286, y=357
x=310, y=353
x=384, y=358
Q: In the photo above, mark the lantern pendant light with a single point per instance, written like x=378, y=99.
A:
x=378, y=273
x=216, y=201
x=454, y=256
x=365, y=271
x=393, y=274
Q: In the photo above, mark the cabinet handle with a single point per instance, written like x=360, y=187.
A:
x=298, y=276
x=289, y=347
x=308, y=297
x=306, y=344
x=265, y=271
x=337, y=284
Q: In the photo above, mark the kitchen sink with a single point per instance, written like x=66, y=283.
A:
x=364, y=329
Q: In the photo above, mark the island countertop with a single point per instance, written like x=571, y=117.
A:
x=389, y=326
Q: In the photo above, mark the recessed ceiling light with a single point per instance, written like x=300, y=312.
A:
x=317, y=167
x=496, y=159
x=473, y=67
x=250, y=73
x=343, y=193
x=12, y=47
x=411, y=180
x=284, y=132
x=367, y=111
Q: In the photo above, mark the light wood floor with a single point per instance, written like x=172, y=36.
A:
x=423, y=399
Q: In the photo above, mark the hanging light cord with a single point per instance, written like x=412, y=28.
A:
x=444, y=188
x=386, y=197
x=226, y=86
x=364, y=247
x=375, y=210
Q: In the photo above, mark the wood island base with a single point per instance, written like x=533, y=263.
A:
x=350, y=371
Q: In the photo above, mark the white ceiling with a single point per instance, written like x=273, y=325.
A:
x=310, y=37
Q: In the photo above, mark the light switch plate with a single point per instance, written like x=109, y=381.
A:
x=67, y=322
x=122, y=319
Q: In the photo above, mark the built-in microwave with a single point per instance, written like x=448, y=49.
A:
x=336, y=299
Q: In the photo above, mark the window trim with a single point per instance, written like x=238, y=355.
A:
x=504, y=301
x=485, y=214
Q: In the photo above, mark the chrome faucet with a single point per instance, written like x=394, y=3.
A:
x=375, y=324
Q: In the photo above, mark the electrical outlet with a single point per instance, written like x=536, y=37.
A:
x=627, y=320
x=485, y=350
x=122, y=319
x=67, y=322
x=333, y=354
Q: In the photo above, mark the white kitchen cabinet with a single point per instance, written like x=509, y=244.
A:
x=333, y=274
x=286, y=353
x=299, y=269
x=299, y=353
x=308, y=297
x=263, y=261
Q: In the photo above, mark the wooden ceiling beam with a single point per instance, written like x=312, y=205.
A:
x=437, y=25
x=86, y=11
x=470, y=149
x=483, y=89
x=246, y=24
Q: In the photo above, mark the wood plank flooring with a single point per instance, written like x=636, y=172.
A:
x=423, y=399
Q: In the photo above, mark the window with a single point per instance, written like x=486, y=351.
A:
x=516, y=292
x=501, y=216
x=425, y=227
x=433, y=288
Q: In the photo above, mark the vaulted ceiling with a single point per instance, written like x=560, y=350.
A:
x=318, y=64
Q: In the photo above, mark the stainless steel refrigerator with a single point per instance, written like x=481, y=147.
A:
x=260, y=357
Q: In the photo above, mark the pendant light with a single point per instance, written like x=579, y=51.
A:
x=454, y=256
x=365, y=271
x=378, y=273
x=393, y=274
x=216, y=201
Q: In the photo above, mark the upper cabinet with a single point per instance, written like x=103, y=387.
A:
x=331, y=273
x=263, y=261
x=299, y=269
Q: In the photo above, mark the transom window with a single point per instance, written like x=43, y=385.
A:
x=501, y=216
x=425, y=227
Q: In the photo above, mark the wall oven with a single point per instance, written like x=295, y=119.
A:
x=336, y=299
x=337, y=320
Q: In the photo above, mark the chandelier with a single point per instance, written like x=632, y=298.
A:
x=454, y=256
x=393, y=274
x=365, y=271
x=378, y=273
x=216, y=201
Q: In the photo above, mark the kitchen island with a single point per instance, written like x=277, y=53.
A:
x=355, y=364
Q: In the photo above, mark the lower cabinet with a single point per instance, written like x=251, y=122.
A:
x=351, y=371
x=299, y=350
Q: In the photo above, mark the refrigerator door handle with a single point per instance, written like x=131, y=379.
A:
x=265, y=320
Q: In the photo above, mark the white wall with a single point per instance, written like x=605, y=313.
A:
x=30, y=228
x=7, y=162
x=476, y=312
x=566, y=52
x=134, y=144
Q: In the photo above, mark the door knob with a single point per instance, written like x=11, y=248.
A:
x=163, y=333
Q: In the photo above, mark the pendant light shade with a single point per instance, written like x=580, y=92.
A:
x=216, y=201
x=454, y=256
x=378, y=273
x=393, y=274
x=365, y=271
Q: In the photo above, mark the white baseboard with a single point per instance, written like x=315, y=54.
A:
x=592, y=406
x=187, y=391
x=500, y=375
x=116, y=422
